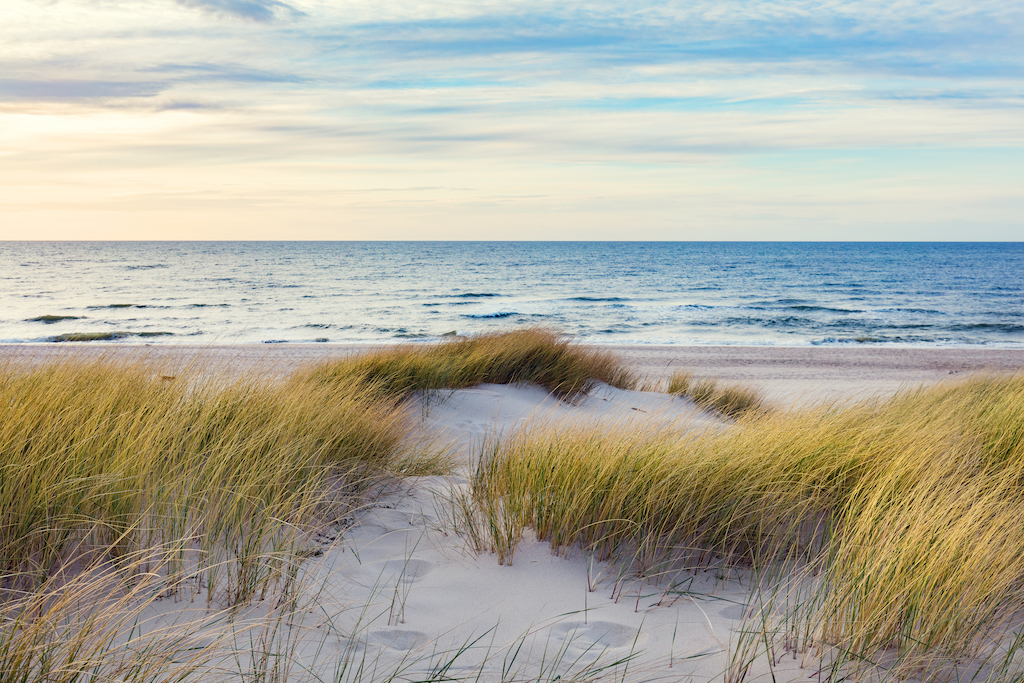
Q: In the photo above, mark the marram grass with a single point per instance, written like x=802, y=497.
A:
x=121, y=484
x=891, y=531
x=904, y=518
x=118, y=457
x=535, y=356
x=731, y=400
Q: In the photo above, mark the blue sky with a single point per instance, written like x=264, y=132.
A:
x=305, y=119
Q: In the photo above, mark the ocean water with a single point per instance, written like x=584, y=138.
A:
x=765, y=293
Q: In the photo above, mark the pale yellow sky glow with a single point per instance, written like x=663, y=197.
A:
x=265, y=119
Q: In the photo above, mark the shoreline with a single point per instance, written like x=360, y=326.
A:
x=788, y=374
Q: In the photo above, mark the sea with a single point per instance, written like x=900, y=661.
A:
x=677, y=293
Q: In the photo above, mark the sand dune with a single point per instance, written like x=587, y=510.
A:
x=397, y=589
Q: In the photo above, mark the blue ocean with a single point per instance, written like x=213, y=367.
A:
x=750, y=293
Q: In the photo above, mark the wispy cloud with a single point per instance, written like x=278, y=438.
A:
x=68, y=90
x=254, y=10
x=321, y=95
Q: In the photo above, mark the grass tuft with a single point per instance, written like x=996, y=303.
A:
x=116, y=457
x=904, y=518
x=730, y=400
x=526, y=356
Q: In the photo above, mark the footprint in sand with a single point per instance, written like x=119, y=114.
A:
x=398, y=640
x=736, y=612
x=389, y=571
x=597, y=635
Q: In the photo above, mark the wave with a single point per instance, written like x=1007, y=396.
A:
x=500, y=314
x=850, y=340
x=870, y=339
x=50, y=319
x=598, y=299
x=1008, y=328
x=472, y=295
x=926, y=311
x=147, y=267
x=827, y=309
x=104, y=336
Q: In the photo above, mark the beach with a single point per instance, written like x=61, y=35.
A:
x=789, y=374
x=400, y=586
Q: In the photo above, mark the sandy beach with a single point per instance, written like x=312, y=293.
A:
x=787, y=374
x=400, y=588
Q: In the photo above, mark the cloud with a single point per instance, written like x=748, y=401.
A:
x=208, y=72
x=254, y=10
x=14, y=89
x=414, y=89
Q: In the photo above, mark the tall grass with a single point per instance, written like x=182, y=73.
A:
x=121, y=485
x=535, y=356
x=92, y=626
x=731, y=400
x=115, y=458
x=905, y=518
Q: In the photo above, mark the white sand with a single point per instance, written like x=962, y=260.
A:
x=398, y=591
x=815, y=373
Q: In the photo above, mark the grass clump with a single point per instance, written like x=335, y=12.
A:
x=730, y=400
x=900, y=522
x=115, y=458
x=525, y=356
x=123, y=483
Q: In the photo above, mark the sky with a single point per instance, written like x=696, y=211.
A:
x=512, y=120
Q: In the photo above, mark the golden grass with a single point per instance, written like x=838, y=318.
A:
x=92, y=627
x=535, y=356
x=121, y=485
x=115, y=457
x=904, y=518
x=730, y=400
x=893, y=529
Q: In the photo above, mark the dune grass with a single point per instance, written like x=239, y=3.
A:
x=92, y=626
x=889, y=533
x=730, y=400
x=117, y=458
x=904, y=520
x=121, y=484
x=535, y=356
